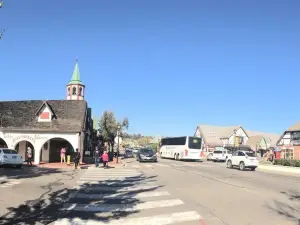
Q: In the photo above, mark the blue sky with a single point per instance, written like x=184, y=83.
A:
x=166, y=65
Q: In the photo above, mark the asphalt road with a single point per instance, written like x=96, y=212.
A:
x=167, y=192
x=229, y=196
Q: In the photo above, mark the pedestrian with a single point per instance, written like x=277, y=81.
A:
x=76, y=158
x=63, y=155
x=97, y=157
x=105, y=159
x=29, y=156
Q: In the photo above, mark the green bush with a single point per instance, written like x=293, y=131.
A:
x=287, y=162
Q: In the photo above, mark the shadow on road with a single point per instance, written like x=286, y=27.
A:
x=27, y=172
x=117, y=199
x=289, y=208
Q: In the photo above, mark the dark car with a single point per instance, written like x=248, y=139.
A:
x=128, y=154
x=146, y=155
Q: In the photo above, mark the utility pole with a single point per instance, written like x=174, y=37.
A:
x=118, y=147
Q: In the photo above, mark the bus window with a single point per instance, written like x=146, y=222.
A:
x=195, y=143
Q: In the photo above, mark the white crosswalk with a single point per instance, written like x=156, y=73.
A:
x=170, y=165
x=124, y=191
x=9, y=183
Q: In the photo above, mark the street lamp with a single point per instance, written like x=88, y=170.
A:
x=118, y=134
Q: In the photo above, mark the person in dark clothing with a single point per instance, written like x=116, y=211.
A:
x=76, y=158
x=97, y=157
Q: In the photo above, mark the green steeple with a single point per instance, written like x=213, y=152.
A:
x=76, y=75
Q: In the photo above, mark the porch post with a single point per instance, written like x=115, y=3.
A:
x=37, y=154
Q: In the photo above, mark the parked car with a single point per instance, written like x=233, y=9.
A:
x=221, y=155
x=243, y=160
x=10, y=157
x=128, y=154
x=146, y=155
x=135, y=150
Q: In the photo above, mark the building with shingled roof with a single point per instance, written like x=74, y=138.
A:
x=220, y=136
x=289, y=142
x=46, y=126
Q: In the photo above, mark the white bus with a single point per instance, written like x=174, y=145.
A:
x=181, y=148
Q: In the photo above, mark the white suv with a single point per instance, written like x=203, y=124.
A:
x=220, y=155
x=243, y=160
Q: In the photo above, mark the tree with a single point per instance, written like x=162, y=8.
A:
x=144, y=141
x=108, y=127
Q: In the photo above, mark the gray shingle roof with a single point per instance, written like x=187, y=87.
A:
x=21, y=115
x=295, y=127
x=271, y=138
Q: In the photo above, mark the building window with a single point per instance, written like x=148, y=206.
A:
x=69, y=91
x=287, y=153
x=80, y=91
x=74, y=90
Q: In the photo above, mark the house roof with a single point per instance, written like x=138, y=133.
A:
x=295, y=127
x=273, y=138
x=21, y=115
x=212, y=134
x=253, y=141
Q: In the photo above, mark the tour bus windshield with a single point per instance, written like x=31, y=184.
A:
x=195, y=143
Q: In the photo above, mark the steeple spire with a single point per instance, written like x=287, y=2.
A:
x=76, y=75
x=75, y=88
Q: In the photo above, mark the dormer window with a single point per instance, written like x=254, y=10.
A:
x=74, y=90
x=45, y=113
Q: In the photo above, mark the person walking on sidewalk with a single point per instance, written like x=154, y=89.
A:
x=105, y=159
x=76, y=158
x=97, y=157
x=63, y=155
x=29, y=156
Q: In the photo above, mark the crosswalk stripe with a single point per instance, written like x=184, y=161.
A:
x=120, y=195
x=9, y=183
x=165, y=219
x=114, y=175
x=149, y=166
x=110, y=183
x=162, y=165
x=107, y=178
x=136, y=166
x=121, y=207
x=111, y=171
x=117, y=189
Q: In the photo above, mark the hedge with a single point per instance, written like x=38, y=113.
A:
x=287, y=162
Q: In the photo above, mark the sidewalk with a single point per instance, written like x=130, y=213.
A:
x=275, y=168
